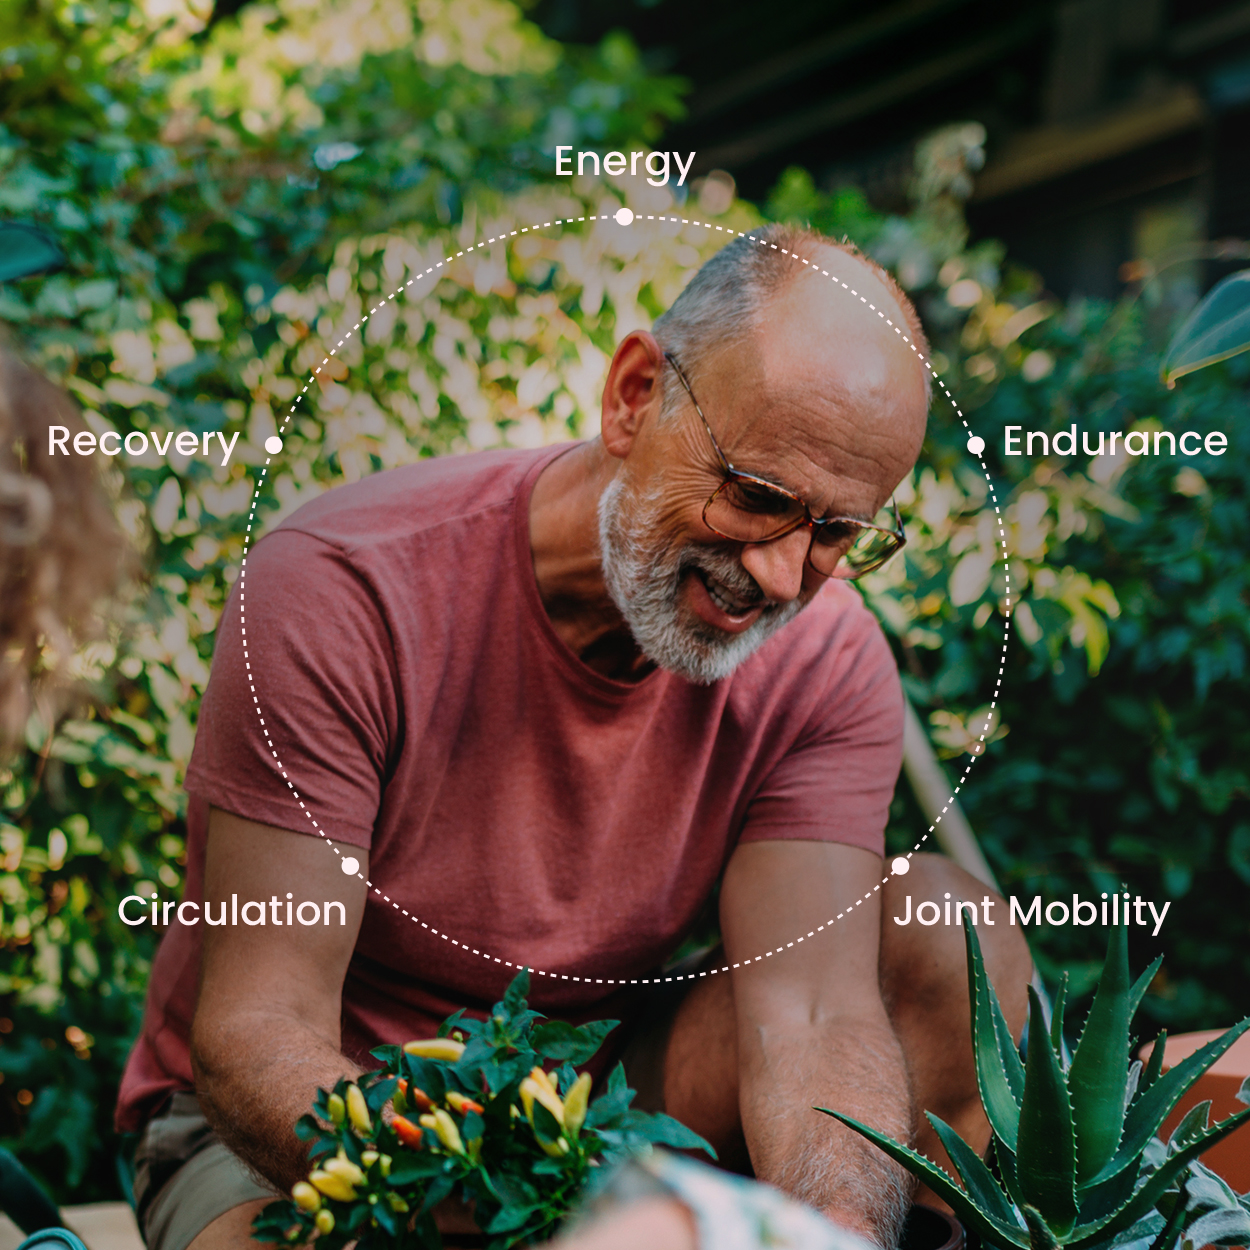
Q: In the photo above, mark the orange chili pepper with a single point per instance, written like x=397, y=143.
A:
x=458, y=1102
x=407, y=1131
x=417, y=1097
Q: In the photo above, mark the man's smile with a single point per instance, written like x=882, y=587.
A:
x=727, y=609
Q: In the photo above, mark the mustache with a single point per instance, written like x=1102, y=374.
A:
x=727, y=571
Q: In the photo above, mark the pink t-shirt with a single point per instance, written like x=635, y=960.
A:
x=520, y=805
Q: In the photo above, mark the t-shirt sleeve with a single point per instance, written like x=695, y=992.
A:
x=299, y=723
x=836, y=781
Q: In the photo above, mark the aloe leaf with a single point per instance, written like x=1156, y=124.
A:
x=937, y=1180
x=1217, y=328
x=1006, y=1162
x=1141, y=985
x=1156, y=1185
x=1151, y=1108
x=1099, y=1068
x=1000, y=1078
x=977, y=1178
x=1191, y=1127
x=1154, y=1065
x=1046, y=1150
x=1056, y=1017
x=1107, y=1198
x=1040, y=1235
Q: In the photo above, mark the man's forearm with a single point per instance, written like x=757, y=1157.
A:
x=254, y=1077
x=857, y=1068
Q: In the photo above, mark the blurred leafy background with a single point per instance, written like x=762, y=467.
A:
x=230, y=198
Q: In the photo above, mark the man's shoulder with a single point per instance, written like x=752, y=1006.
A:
x=404, y=502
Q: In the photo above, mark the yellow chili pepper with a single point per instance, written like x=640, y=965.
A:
x=325, y=1221
x=358, y=1110
x=306, y=1196
x=444, y=1128
x=344, y=1167
x=332, y=1185
x=458, y=1102
x=396, y=1203
x=386, y=1164
x=576, y=1102
x=435, y=1048
x=547, y=1079
x=336, y=1109
x=369, y=1157
x=532, y=1091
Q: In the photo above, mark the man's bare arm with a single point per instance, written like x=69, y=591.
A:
x=812, y=1029
x=266, y=1027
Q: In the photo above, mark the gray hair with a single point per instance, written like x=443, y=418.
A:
x=725, y=301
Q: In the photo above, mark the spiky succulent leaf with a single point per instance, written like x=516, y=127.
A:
x=977, y=1178
x=1154, y=1065
x=1099, y=1068
x=925, y=1170
x=1098, y=1231
x=1191, y=1126
x=1151, y=1108
x=1141, y=985
x=1046, y=1149
x=1006, y=1161
x=1041, y=1237
x=1000, y=1076
x=1106, y=1199
x=1056, y=1017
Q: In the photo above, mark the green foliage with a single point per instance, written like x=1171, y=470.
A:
x=1219, y=327
x=523, y=1158
x=1078, y=1159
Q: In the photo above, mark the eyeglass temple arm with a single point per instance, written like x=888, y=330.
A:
x=720, y=455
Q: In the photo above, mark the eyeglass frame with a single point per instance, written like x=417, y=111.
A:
x=732, y=474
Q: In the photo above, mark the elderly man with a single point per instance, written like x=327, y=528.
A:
x=548, y=700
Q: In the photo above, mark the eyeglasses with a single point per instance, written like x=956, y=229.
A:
x=749, y=509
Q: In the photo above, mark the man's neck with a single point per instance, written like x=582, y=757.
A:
x=564, y=543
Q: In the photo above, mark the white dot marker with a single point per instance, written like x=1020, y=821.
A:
x=273, y=444
x=901, y=866
x=625, y=216
x=350, y=865
x=976, y=444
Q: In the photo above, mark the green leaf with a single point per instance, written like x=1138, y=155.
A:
x=1191, y=1127
x=941, y=1184
x=1046, y=1150
x=1141, y=985
x=1092, y=1234
x=1219, y=327
x=546, y=1126
x=1056, y=1017
x=977, y=1178
x=1096, y=1079
x=26, y=249
x=1152, y=1107
x=997, y=1074
x=411, y=1167
x=1155, y=1064
x=514, y=999
x=561, y=1041
x=663, y=1130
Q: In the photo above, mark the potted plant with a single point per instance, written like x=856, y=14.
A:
x=1077, y=1163
x=492, y=1113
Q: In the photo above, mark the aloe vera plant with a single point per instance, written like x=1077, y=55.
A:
x=1074, y=1141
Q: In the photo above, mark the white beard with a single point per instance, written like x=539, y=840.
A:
x=644, y=581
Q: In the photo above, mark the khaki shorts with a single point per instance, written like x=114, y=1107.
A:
x=185, y=1177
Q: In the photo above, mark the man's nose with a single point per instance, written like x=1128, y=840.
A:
x=778, y=566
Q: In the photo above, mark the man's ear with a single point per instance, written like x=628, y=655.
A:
x=632, y=392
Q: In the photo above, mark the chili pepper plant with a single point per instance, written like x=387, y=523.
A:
x=1078, y=1162
x=491, y=1112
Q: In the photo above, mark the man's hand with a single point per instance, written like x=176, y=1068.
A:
x=266, y=1028
x=812, y=1029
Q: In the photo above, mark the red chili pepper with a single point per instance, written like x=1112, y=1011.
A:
x=407, y=1131
x=418, y=1097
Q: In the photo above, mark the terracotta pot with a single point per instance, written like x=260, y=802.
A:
x=930, y=1229
x=1230, y=1157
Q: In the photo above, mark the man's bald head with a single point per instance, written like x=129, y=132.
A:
x=733, y=294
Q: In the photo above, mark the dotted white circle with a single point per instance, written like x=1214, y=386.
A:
x=273, y=444
x=900, y=865
x=976, y=444
x=351, y=866
x=976, y=750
